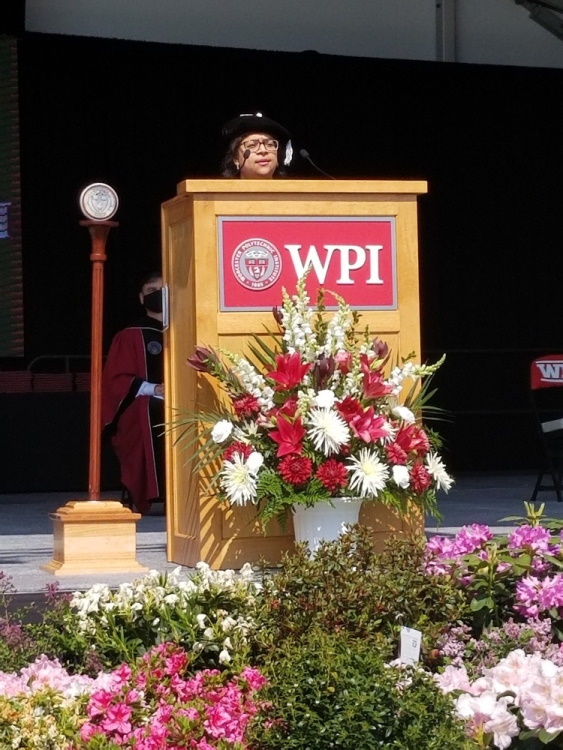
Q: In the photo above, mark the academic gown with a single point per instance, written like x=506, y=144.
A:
x=135, y=355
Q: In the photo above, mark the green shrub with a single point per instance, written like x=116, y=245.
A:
x=27, y=632
x=327, y=691
x=348, y=586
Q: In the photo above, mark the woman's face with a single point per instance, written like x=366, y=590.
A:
x=262, y=161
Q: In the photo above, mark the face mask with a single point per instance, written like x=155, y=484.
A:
x=153, y=301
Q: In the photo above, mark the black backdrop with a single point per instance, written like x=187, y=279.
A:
x=143, y=116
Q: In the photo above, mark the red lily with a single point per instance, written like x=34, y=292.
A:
x=289, y=371
x=288, y=436
x=368, y=427
x=413, y=438
x=374, y=387
x=348, y=408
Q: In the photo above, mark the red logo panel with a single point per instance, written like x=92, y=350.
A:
x=354, y=257
x=547, y=372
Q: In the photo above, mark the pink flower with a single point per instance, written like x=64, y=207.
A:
x=256, y=680
x=117, y=719
x=535, y=537
x=470, y=538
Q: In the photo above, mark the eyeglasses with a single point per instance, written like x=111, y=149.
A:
x=270, y=144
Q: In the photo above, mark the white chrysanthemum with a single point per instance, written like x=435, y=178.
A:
x=325, y=399
x=438, y=472
x=369, y=474
x=238, y=481
x=328, y=431
x=404, y=413
x=401, y=476
x=221, y=430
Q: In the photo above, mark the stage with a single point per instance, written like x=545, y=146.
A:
x=26, y=539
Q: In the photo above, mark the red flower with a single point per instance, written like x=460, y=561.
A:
x=348, y=408
x=396, y=454
x=363, y=422
x=420, y=478
x=245, y=406
x=413, y=438
x=368, y=427
x=296, y=469
x=374, y=387
x=288, y=409
x=289, y=371
x=343, y=362
x=238, y=447
x=332, y=474
x=288, y=436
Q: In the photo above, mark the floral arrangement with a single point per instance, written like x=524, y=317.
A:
x=316, y=417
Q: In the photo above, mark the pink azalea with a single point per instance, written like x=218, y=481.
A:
x=117, y=719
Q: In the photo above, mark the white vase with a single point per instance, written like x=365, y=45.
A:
x=324, y=521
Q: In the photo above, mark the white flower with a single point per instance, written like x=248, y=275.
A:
x=405, y=414
x=228, y=624
x=221, y=431
x=438, y=472
x=201, y=618
x=368, y=473
x=401, y=476
x=328, y=430
x=325, y=399
x=254, y=462
x=238, y=481
x=224, y=657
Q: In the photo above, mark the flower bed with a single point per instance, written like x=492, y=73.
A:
x=304, y=657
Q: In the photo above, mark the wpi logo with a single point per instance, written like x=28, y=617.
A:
x=348, y=257
x=551, y=370
x=256, y=264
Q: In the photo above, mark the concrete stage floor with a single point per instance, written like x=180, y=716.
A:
x=26, y=538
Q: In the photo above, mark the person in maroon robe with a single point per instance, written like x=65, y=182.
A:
x=132, y=400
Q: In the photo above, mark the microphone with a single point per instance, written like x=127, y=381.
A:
x=245, y=156
x=304, y=154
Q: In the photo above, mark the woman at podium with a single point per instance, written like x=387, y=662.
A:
x=259, y=148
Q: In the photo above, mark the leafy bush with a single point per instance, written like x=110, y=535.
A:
x=27, y=632
x=348, y=586
x=327, y=690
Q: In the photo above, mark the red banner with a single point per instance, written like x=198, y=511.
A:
x=355, y=257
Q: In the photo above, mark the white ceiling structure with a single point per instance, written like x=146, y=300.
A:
x=497, y=32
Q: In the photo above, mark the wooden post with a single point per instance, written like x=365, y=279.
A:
x=94, y=536
x=99, y=231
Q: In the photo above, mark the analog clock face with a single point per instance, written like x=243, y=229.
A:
x=98, y=201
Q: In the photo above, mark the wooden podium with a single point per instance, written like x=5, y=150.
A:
x=197, y=257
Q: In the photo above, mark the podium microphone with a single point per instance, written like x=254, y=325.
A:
x=304, y=154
